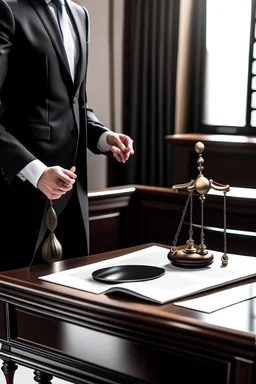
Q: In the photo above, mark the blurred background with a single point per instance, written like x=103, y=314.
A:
x=159, y=68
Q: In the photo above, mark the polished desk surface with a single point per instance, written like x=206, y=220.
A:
x=34, y=304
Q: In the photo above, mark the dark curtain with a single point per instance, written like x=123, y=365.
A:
x=197, y=54
x=149, y=81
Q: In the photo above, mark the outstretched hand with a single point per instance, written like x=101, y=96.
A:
x=56, y=181
x=121, y=146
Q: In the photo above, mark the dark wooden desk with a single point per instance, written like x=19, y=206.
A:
x=87, y=338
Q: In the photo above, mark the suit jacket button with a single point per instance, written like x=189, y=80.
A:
x=6, y=178
x=75, y=100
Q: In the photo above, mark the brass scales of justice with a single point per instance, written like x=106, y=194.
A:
x=192, y=256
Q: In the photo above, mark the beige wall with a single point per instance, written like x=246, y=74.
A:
x=98, y=81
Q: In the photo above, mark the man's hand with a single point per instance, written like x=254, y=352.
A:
x=56, y=181
x=121, y=146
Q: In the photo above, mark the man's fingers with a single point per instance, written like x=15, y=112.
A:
x=122, y=142
x=128, y=144
x=53, y=196
x=118, y=143
x=67, y=177
x=130, y=150
x=57, y=181
x=64, y=188
x=119, y=155
x=64, y=184
x=68, y=174
x=126, y=148
x=50, y=195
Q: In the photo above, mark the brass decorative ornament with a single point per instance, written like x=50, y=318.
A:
x=192, y=256
x=52, y=249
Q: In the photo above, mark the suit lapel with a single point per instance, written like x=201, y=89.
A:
x=47, y=19
x=81, y=35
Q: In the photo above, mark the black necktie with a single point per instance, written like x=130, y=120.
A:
x=64, y=27
x=59, y=7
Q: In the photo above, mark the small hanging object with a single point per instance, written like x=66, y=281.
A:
x=191, y=256
x=52, y=249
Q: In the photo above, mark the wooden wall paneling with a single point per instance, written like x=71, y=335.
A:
x=108, y=219
x=228, y=159
x=105, y=234
x=161, y=211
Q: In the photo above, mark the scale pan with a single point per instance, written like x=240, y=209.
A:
x=127, y=273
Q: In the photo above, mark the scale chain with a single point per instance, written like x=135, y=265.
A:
x=174, y=248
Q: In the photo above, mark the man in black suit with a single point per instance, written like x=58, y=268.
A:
x=45, y=128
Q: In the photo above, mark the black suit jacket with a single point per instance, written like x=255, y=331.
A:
x=43, y=115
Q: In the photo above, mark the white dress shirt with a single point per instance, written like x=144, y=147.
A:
x=33, y=171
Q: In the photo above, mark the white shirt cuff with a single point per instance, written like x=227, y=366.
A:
x=103, y=146
x=32, y=172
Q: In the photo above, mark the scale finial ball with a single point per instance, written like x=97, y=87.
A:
x=199, y=147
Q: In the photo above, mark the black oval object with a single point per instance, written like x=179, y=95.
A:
x=127, y=273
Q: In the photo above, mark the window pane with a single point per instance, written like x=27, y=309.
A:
x=254, y=51
x=254, y=83
x=253, y=119
x=254, y=68
x=253, y=102
x=227, y=61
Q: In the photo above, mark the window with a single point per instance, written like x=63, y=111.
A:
x=230, y=67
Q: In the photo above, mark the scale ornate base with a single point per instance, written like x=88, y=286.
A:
x=190, y=256
x=184, y=259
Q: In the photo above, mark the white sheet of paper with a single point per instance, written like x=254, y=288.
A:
x=214, y=301
x=174, y=284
